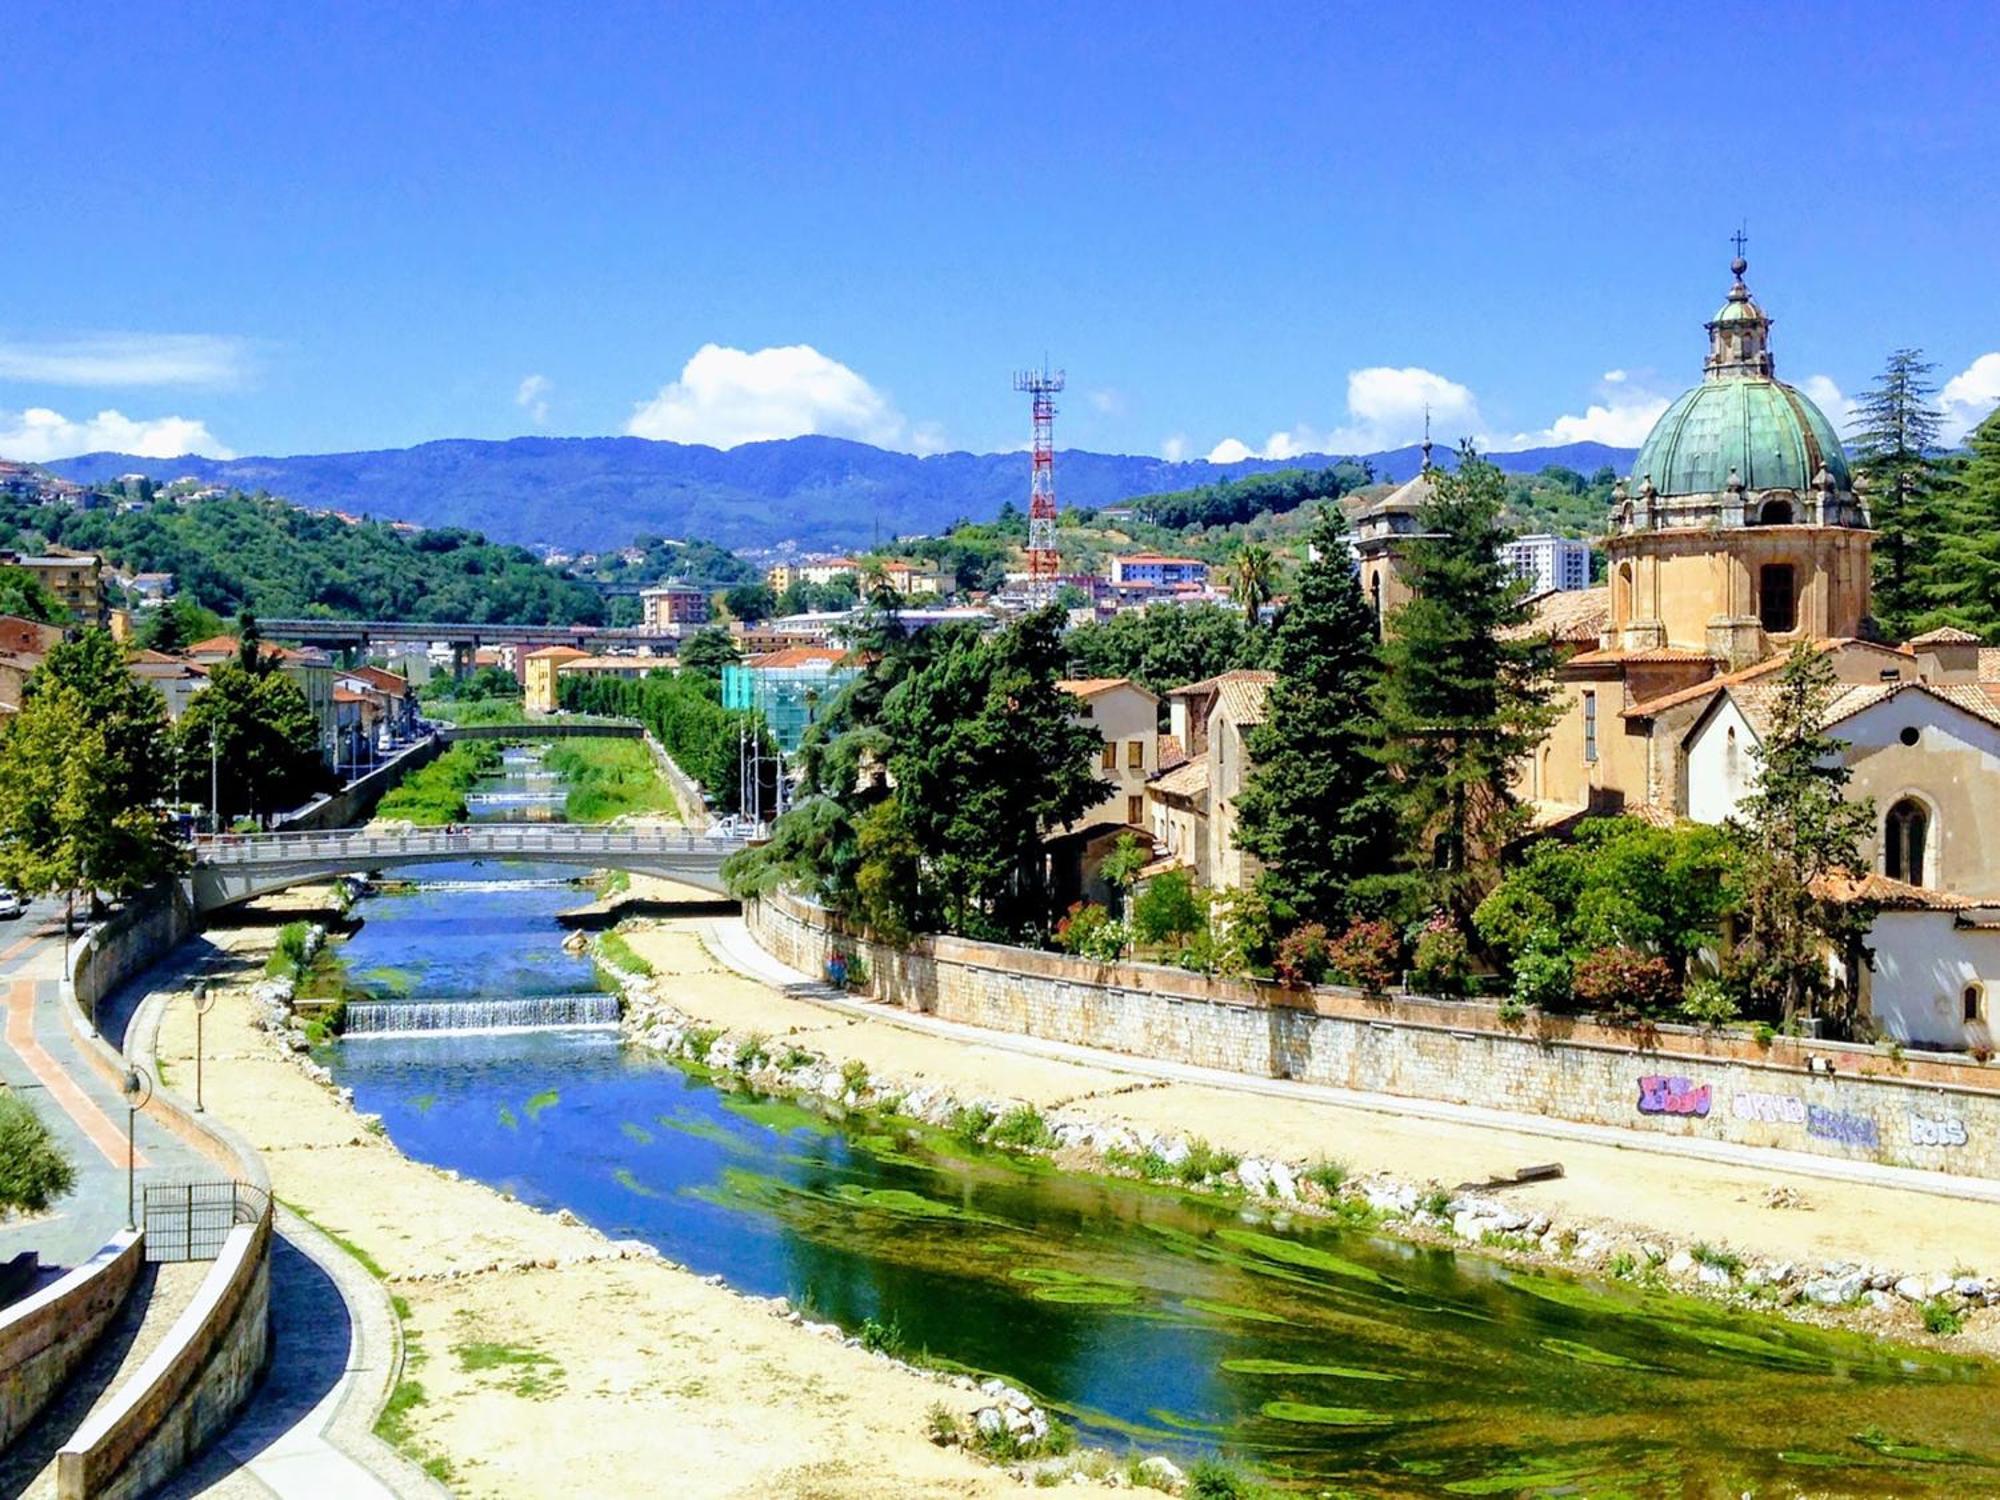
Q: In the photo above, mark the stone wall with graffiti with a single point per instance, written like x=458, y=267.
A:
x=1900, y=1114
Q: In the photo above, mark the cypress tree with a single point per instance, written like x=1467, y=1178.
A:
x=1315, y=810
x=1462, y=698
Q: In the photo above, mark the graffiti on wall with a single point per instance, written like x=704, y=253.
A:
x=1936, y=1130
x=1839, y=1125
x=1672, y=1096
x=1773, y=1109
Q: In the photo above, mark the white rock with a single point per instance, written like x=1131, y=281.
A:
x=1470, y=1226
x=1679, y=1263
x=1911, y=1289
x=1164, y=1471
x=1875, y=1297
x=1712, y=1275
x=988, y=1421
x=1781, y=1273
x=1254, y=1175
x=1171, y=1149
x=1834, y=1291
x=1969, y=1286
x=1937, y=1286
x=1283, y=1183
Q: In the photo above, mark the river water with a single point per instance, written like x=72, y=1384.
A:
x=1341, y=1361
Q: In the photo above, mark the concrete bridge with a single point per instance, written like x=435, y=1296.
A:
x=547, y=729
x=232, y=868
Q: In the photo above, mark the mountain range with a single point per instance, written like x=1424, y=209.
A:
x=816, y=492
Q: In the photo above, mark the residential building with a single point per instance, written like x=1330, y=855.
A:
x=28, y=637
x=538, y=680
x=76, y=579
x=396, y=700
x=626, y=668
x=828, y=569
x=917, y=580
x=175, y=678
x=1194, y=818
x=672, y=607
x=312, y=670
x=1551, y=563
x=1153, y=570
x=1126, y=718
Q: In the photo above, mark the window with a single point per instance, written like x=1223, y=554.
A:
x=1775, y=513
x=1110, y=755
x=1910, y=734
x=1135, y=811
x=1589, y=725
x=1905, y=833
x=1621, y=610
x=1973, y=996
x=1135, y=755
x=1777, y=598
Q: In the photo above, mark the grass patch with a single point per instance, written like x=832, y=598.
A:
x=436, y=793
x=1022, y=1129
x=1719, y=1256
x=616, y=953
x=882, y=1335
x=1204, y=1161
x=854, y=1076
x=970, y=1122
x=1329, y=1175
x=1501, y=1239
x=532, y=1374
x=1942, y=1317
x=609, y=779
x=753, y=1052
x=700, y=1039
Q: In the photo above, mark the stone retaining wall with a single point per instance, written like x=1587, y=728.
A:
x=354, y=802
x=44, y=1337
x=687, y=791
x=1935, y=1113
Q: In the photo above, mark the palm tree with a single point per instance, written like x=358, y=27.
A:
x=1253, y=573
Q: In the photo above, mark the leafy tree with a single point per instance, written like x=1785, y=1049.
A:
x=987, y=755
x=178, y=624
x=1461, y=700
x=751, y=602
x=1619, y=883
x=803, y=598
x=481, y=682
x=1253, y=577
x=709, y=651
x=1121, y=868
x=1316, y=809
x=22, y=595
x=1168, y=911
x=1796, y=832
x=1167, y=646
x=1235, y=501
x=252, y=738
x=1896, y=435
x=83, y=769
x=34, y=1171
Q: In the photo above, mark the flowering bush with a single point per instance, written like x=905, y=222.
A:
x=1088, y=932
x=1368, y=956
x=1542, y=978
x=1442, y=963
x=1623, y=980
x=1302, y=955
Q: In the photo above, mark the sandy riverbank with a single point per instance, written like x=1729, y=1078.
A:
x=640, y=1378
x=1624, y=1191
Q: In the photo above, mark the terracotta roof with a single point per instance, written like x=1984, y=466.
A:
x=1241, y=696
x=1750, y=673
x=1090, y=687
x=1188, y=780
x=1648, y=654
x=1214, y=684
x=799, y=656
x=1944, y=635
x=1566, y=616
x=1169, y=752
x=213, y=643
x=1891, y=895
x=389, y=682
x=1989, y=663
x=555, y=653
x=348, y=695
x=1408, y=497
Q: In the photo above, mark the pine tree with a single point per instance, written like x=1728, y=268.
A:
x=1896, y=436
x=1316, y=810
x=1797, y=832
x=1966, y=574
x=1462, y=699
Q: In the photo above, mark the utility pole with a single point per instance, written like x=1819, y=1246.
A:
x=1044, y=562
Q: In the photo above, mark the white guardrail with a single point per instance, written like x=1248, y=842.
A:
x=495, y=838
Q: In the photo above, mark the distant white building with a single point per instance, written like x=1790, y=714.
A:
x=1550, y=563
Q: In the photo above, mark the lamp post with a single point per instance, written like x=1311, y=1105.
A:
x=202, y=1001
x=214, y=782
x=138, y=1089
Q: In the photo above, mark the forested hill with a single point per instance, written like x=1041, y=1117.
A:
x=592, y=493
x=234, y=551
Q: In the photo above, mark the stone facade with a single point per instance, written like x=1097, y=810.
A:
x=1930, y=1114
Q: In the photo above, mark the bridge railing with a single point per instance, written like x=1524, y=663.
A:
x=492, y=838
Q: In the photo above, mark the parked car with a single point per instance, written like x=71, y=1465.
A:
x=10, y=904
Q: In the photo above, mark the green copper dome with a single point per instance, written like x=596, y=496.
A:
x=1773, y=437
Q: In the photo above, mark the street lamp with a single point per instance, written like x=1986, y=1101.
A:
x=138, y=1089
x=214, y=782
x=202, y=1001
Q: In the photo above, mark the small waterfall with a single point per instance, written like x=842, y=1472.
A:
x=525, y=1013
x=546, y=883
x=515, y=799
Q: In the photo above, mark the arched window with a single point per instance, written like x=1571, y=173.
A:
x=1905, y=835
x=1775, y=513
x=1777, y=598
x=1621, y=607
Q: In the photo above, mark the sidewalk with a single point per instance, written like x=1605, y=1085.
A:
x=85, y=1114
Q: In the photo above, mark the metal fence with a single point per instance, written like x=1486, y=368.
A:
x=190, y=1220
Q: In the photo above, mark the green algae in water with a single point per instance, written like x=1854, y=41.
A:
x=635, y=1132
x=1087, y=1296
x=1875, y=1439
x=780, y=1116
x=1302, y=1371
x=1532, y=1477
x=507, y=1118
x=1326, y=1416
x=389, y=979
x=1590, y=1354
x=423, y=1104
x=546, y=1099
x=1307, y=1257
x=1231, y=1310
x=624, y=1178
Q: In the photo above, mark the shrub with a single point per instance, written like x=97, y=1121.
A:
x=793, y=1058
x=753, y=1052
x=700, y=1039
x=854, y=1075
x=1368, y=956
x=1942, y=1317
x=1708, y=1002
x=942, y=1426
x=1543, y=978
x=1436, y=1203
x=1088, y=931
x=1442, y=963
x=1764, y=1034
x=1719, y=1256
x=1204, y=1161
x=882, y=1335
x=970, y=1122
x=1303, y=956
x=1168, y=911
x=1022, y=1129
x=1212, y=1479
x=1624, y=981
x=1328, y=1175
x=34, y=1172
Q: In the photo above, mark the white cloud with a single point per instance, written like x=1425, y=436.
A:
x=1106, y=402
x=1174, y=447
x=533, y=398
x=127, y=359
x=1620, y=424
x=1614, y=377
x=1386, y=407
x=38, y=435
x=729, y=396
x=1230, y=451
x=1823, y=393
x=1970, y=396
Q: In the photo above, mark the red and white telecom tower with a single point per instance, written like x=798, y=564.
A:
x=1043, y=562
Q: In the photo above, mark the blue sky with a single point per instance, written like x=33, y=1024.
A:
x=280, y=229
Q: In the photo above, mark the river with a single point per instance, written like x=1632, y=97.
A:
x=1332, y=1359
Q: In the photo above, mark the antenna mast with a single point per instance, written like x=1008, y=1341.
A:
x=1043, y=560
